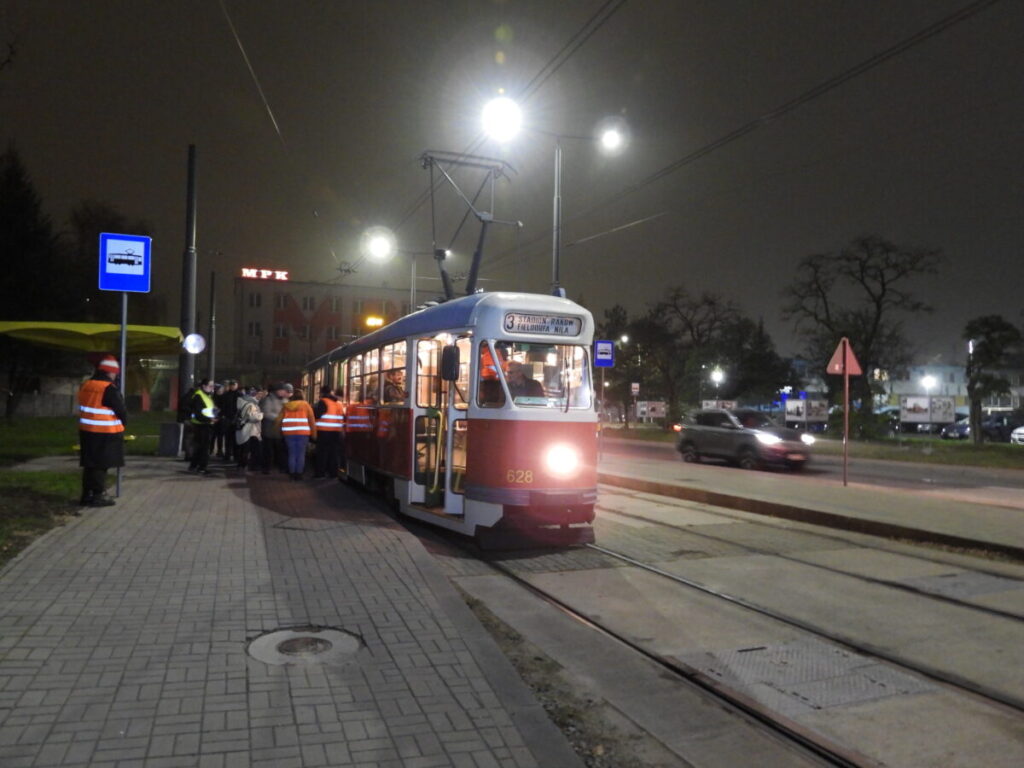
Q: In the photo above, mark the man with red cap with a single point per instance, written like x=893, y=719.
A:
x=101, y=420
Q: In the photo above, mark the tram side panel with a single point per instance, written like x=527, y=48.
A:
x=393, y=434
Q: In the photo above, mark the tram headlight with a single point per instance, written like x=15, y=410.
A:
x=562, y=460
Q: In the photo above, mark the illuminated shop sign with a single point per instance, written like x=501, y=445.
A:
x=264, y=274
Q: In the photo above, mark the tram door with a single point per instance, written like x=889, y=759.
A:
x=456, y=411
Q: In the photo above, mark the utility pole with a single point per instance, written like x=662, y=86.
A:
x=187, y=361
x=212, y=365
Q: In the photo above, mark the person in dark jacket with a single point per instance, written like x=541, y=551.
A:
x=101, y=420
x=330, y=423
x=202, y=416
x=228, y=411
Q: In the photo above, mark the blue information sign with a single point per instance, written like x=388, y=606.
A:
x=604, y=354
x=124, y=263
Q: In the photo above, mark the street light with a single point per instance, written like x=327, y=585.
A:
x=717, y=377
x=928, y=382
x=380, y=245
x=502, y=120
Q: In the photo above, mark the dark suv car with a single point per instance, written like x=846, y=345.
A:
x=746, y=437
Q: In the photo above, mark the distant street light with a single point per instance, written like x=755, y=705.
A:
x=717, y=377
x=928, y=382
x=502, y=119
x=380, y=245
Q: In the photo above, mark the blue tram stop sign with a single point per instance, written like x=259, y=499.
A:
x=604, y=354
x=125, y=262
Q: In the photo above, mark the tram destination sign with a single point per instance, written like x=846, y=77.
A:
x=553, y=325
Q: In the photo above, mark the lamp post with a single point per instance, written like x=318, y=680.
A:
x=502, y=120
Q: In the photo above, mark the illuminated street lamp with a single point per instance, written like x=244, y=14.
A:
x=717, y=377
x=502, y=120
x=379, y=244
x=928, y=382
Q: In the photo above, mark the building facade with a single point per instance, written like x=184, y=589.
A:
x=280, y=324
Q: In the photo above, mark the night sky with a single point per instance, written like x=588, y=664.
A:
x=104, y=97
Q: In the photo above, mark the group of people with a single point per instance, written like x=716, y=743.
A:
x=263, y=429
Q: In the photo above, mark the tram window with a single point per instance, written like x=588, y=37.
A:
x=427, y=360
x=489, y=392
x=465, y=345
x=545, y=375
x=371, y=395
x=371, y=361
x=355, y=380
x=393, y=365
x=338, y=378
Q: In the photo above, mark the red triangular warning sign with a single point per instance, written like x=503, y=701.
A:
x=843, y=360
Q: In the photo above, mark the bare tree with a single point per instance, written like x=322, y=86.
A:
x=860, y=292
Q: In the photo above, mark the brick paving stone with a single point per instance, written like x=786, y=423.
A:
x=123, y=638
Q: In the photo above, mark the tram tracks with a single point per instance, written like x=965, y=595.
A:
x=857, y=646
x=538, y=574
x=812, y=744
x=929, y=594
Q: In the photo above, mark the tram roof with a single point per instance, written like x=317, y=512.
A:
x=454, y=314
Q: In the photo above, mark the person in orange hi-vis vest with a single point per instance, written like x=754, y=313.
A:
x=330, y=423
x=298, y=426
x=101, y=420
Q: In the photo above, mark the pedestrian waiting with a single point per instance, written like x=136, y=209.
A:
x=101, y=420
x=248, y=428
x=298, y=426
x=330, y=422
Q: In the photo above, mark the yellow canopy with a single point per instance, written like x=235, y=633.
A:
x=97, y=337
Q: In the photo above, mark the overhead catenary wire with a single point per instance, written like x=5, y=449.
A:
x=919, y=37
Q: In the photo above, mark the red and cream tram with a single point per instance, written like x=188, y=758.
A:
x=476, y=415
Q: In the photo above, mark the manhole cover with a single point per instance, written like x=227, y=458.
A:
x=304, y=645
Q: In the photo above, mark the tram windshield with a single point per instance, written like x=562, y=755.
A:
x=537, y=375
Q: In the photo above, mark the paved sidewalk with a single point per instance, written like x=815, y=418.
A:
x=980, y=522
x=123, y=638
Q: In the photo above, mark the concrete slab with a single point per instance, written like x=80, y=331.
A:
x=929, y=725
x=693, y=727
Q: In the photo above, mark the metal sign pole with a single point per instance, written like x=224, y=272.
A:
x=846, y=408
x=600, y=425
x=124, y=368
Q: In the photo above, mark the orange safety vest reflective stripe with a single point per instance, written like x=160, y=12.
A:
x=333, y=419
x=294, y=421
x=93, y=415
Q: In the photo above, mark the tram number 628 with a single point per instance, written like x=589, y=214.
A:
x=519, y=476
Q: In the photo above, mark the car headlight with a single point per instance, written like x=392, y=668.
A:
x=807, y=439
x=768, y=439
x=562, y=460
